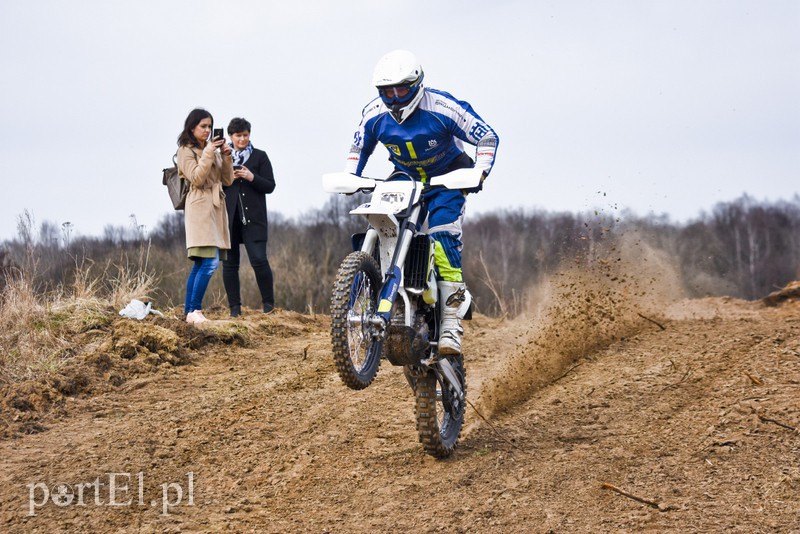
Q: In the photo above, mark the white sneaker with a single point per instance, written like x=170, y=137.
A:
x=196, y=317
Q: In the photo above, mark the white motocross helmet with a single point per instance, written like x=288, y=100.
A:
x=398, y=77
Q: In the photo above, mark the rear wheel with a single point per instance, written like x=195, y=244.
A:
x=440, y=411
x=356, y=346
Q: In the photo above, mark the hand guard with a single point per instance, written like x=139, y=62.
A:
x=479, y=188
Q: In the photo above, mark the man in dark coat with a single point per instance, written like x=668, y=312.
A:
x=247, y=216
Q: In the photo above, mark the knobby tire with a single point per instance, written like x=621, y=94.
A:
x=439, y=428
x=355, y=291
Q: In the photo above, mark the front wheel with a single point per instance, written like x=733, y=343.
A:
x=440, y=412
x=357, y=346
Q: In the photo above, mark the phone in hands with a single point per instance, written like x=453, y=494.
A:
x=218, y=133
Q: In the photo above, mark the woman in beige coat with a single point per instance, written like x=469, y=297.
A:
x=207, y=165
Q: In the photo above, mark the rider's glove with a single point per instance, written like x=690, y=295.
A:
x=479, y=188
x=428, y=191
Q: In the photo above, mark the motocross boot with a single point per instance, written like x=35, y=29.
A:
x=455, y=300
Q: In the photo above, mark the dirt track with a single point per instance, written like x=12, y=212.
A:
x=691, y=418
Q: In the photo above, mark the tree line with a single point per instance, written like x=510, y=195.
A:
x=743, y=248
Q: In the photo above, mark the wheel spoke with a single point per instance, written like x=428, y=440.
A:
x=356, y=350
x=358, y=329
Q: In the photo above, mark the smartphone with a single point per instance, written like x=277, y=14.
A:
x=237, y=167
x=218, y=132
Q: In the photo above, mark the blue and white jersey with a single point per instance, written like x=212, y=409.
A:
x=426, y=143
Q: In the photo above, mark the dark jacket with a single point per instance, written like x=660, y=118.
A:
x=248, y=198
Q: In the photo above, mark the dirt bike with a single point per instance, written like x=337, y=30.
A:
x=384, y=302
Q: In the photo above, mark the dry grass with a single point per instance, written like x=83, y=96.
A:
x=38, y=330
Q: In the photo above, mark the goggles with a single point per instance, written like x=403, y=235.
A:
x=395, y=94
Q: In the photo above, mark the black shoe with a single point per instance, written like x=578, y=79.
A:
x=236, y=311
x=268, y=308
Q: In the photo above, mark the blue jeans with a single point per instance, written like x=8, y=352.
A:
x=198, y=281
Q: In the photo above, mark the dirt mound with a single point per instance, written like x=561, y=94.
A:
x=108, y=351
x=584, y=308
x=790, y=293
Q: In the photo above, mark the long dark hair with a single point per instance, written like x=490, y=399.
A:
x=187, y=138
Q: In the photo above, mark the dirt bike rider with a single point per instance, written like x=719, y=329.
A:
x=422, y=129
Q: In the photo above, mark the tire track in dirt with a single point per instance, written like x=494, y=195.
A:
x=278, y=444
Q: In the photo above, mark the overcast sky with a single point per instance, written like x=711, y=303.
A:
x=658, y=106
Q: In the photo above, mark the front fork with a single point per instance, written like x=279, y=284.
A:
x=393, y=277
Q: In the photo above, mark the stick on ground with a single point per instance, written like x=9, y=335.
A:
x=773, y=421
x=753, y=379
x=514, y=445
x=568, y=371
x=661, y=326
x=606, y=485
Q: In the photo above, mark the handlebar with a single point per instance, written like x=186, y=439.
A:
x=343, y=182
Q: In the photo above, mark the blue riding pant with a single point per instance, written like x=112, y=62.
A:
x=445, y=214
